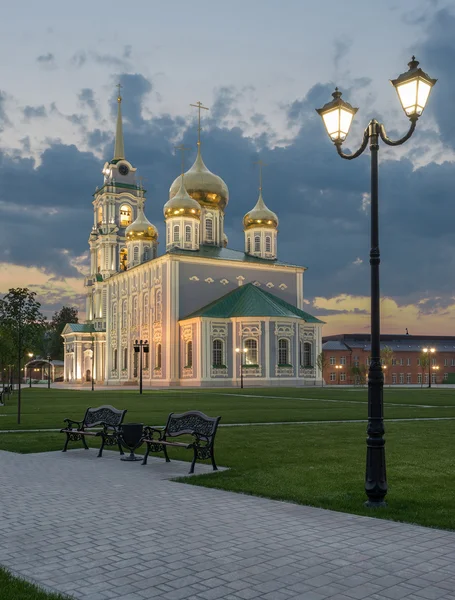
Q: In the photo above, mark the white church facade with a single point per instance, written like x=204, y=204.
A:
x=208, y=313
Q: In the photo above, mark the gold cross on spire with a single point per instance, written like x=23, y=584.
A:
x=182, y=149
x=119, y=95
x=261, y=164
x=199, y=106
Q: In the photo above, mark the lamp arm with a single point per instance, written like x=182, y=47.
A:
x=359, y=151
x=389, y=142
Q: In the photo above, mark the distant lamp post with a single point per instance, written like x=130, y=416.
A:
x=48, y=371
x=30, y=354
x=413, y=88
x=338, y=368
x=429, y=352
x=140, y=346
x=242, y=352
x=435, y=372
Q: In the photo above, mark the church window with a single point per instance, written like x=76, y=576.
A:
x=251, y=355
x=145, y=316
x=217, y=353
x=100, y=215
x=134, y=311
x=124, y=313
x=283, y=351
x=136, y=253
x=158, y=356
x=154, y=252
x=257, y=243
x=187, y=233
x=248, y=244
x=209, y=229
x=158, y=305
x=126, y=214
x=123, y=259
x=268, y=243
x=125, y=359
x=176, y=235
x=146, y=253
x=189, y=354
x=114, y=359
x=307, y=362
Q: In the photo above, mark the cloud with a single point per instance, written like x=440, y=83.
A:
x=34, y=112
x=46, y=61
x=87, y=99
x=4, y=120
x=341, y=49
x=79, y=59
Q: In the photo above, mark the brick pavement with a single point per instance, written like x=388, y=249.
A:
x=100, y=529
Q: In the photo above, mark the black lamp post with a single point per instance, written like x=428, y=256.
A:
x=30, y=370
x=48, y=371
x=93, y=364
x=413, y=88
x=429, y=352
x=242, y=353
x=140, y=346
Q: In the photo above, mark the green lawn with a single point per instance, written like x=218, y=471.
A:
x=13, y=588
x=319, y=464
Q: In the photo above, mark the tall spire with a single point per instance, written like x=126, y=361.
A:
x=119, y=150
x=199, y=105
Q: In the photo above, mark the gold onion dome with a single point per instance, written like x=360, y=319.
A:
x=204, y=186
x=181, y=204
x=260, y=216
x=141, y=228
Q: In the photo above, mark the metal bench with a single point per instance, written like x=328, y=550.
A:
x=194, y=423
x=105, y=417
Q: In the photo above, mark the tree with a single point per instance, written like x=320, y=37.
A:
x=53, y=340
x=322, y=362
x=359, y=374
x=424, y=364
x=22, y=323
x=387, y=359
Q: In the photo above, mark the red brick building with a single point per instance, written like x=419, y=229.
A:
x=345, y=351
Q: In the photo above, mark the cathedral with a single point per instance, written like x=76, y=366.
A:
x=201, y=314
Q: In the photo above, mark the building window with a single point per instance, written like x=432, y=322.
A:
x=409, y=362
x=251, y=356
x=123, y=259
x=394, y=378
x=333, y=376
x=283, y=351
x=342, y=376
x=342, y=360
x=394, y=362
x=446, y=376
x=268, y=243
x=126, y=214
x=401, y=377
x=217, y=353
x=176, y=234
x=426, y=377
x=209, y=229
x=307, y=358
x=356, y=361
x=408, y=378
x=136, y=253
x=158, y=356
x=446, y=362
x=257, y=243
x=433, y=378
x=146, y=253
x=418, y=362
x=125, y=359
x=433, y=361
x=187, y=233
x=452, y=362
x=189, y=354
x=114, y=359
x=333, y=360
x=124, y=313
x=367, y=361
x=248, y=244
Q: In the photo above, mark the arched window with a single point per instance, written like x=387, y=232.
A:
x=126, y=214
x=187, y=233
x=125, y=359
x=114, y=359
x=158, y=356
x=176, y=233
x=217, y=353
x=114, y=316
x=248, y=244
x=251, y=355
x=100, y=215
x=158, y=305
x=145, y=316
x=136, y=253
x=146, y=252
x=209, y=229
x=257, y=243
x=123, y=259
x=154, y=252
x=307, y=358
x=134, y=311
x=124, y=313
x=189, y=354
x=283, y=351
x=268, y=243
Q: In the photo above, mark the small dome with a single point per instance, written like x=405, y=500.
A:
x=141, y=228
x=182, y=204
x=204, y=186
x=260, y=216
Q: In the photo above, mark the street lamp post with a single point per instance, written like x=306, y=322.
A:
x=140, y=346
x=338, y=367
x=429, y=352
x=242, y=352
x=93, y=364
x=48, y=371
x=30, y=354
x=413, y=89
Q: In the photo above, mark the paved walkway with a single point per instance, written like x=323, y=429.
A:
x=102, y=529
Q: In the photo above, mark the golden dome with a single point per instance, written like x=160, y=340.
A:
x=260, y=216
x=204, y=186
x=141, y=228
x=182, y=204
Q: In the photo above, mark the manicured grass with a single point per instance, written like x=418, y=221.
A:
x=319, y=464
x=13, y=588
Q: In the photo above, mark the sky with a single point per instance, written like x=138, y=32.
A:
x=261, y=67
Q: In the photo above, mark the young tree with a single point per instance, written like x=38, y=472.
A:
x=54, y=341
x=387, y=359
x=359, y=374
x=322, y=362
x=22, y=323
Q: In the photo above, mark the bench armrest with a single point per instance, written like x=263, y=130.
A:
x=70, y=423
x=149, y=432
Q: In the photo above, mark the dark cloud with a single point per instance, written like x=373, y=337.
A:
x=341, y=49
x=34, y=112
x=46, y=60
x=79, y=59
x=4, y=120
x=87, y=99
x=135, y=88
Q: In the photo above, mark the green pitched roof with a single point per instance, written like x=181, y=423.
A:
x=229, y=254
x=81, y=327
x=250, y=301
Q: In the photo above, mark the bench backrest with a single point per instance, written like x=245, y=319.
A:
x=103, y=414
x=191, y=422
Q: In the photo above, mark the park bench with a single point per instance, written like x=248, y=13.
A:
x=194, y=423
x=105, y=417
